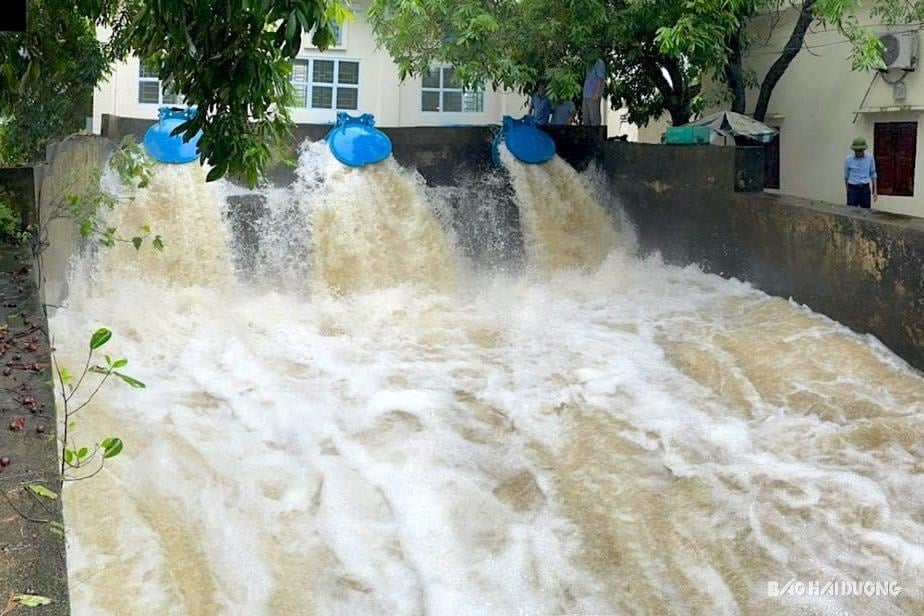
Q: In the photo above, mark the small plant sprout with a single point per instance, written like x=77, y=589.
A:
x=74, y=458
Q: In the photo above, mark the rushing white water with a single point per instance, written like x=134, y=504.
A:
x=371, y=227
x=564, y=225
x=601, y=435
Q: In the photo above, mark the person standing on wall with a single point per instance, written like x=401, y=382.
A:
x=563, y=113
x=593, y=92
x=859, y=175
x=540, y=107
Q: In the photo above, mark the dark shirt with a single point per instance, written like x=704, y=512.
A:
x=541, y=109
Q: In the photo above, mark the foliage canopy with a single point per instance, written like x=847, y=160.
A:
x=658, y=52
x=230, y=58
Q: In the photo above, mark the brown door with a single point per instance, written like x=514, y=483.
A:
x=895, y=148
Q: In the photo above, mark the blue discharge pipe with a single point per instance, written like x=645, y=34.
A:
x=525, y=140
x=163, y=146
x=355, y=141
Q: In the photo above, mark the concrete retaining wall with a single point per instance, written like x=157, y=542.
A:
x=443, y=156
x=861, y=269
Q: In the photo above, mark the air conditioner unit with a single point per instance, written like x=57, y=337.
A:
x=900, y=50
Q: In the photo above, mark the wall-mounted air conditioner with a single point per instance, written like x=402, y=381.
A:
x=900, y=50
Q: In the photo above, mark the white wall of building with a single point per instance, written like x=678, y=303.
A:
x=818, y=106
x=394, y=103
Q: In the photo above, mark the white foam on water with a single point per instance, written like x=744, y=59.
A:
x=371, y=227
x=612, y=436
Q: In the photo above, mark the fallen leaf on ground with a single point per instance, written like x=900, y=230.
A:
x=31, y=600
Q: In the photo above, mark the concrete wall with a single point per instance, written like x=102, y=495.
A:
x=32, y=541
x=819, y=108
x=443, y=156
x=70, y=170
x=861, y=270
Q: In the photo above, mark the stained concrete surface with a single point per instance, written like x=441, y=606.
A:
x=32, y=546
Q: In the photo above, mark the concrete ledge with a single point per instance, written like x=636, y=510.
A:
x=444, y=155
x=664, y=168
x=863, y=269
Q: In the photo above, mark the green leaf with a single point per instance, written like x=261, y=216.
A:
x=119, y=363
x=65, y=376
x=130, y=380
x=158, y=243
x=40, y=490
x=136, y=242
x=216, y=173
x=82, y=453
x=112, y=447
x=99, y=338
x=69, y=456
x=31, y=600
x=145, y=229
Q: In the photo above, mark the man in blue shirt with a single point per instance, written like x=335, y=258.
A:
x=859, y=175
x=593, y=92
x=540, y=107
x=562, y=113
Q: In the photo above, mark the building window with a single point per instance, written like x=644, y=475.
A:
x=895, y=148
x=326, y=84
x=441, y=91
x=151, y=91
x=338, y=38
x=772, y=162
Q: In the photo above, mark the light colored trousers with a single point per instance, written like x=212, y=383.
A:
x=590, y=112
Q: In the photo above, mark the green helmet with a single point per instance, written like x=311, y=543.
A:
x=858, y=144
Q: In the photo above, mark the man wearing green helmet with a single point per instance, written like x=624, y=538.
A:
x=859, y=175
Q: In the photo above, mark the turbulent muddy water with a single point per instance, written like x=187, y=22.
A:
x=374, y=426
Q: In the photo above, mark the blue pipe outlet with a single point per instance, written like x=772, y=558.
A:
x=525, y=140
x=355, y=141
x=163, y=146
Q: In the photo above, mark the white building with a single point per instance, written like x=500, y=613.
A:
x=354, y=76
x=821, y=104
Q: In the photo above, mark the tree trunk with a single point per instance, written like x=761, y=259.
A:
x=676, y=96
x=734, y=75
x=793, y=46
x=680, y=98
x=680, y=114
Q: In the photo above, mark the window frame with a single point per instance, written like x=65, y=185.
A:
x=334, y=85
x=142, y=78
x=340, y=45
x=442, y=89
